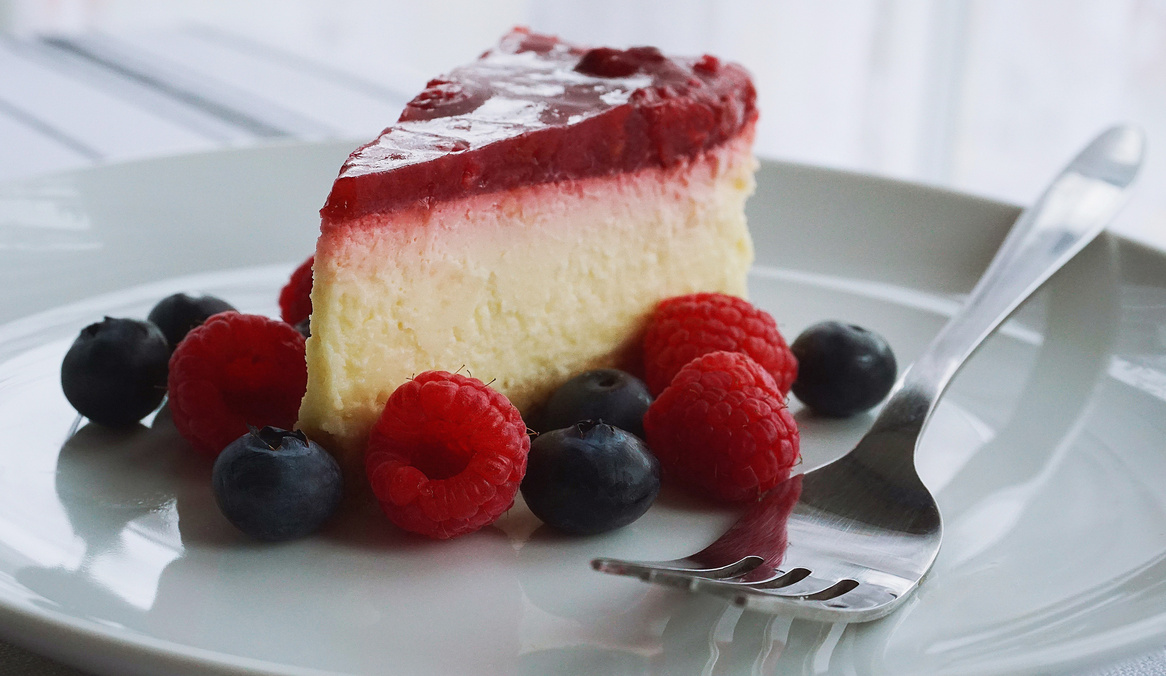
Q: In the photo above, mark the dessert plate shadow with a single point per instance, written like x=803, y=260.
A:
x=1043, y=458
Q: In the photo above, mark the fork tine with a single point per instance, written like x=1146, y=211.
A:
x=694, y=582
x=862, y=603
x=652, y=570
x=687, y=580
x=790, y=585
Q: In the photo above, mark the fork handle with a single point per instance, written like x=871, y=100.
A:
x=1073, y=210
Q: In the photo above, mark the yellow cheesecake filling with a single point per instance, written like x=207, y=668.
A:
x=521, y=289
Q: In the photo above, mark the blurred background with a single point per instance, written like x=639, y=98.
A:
x=986, y=96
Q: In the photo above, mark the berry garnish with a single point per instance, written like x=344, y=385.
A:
x=176, y=315
x=722, y=430
x=446, y=455
x=613, y=396
x=234, y=371
x=276, y=485
x=295, y=298
x=304, y=326
x=685, y=327
x=590, y=478
x=115, y=371
x=845, y=369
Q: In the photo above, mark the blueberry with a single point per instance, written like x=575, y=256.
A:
x=176, y=315
x=613, y=396
x=589, y=478
x=115, y=372
x=842, y=369
x=304, y=326
x=276, y=485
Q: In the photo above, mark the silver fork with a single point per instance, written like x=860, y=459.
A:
x=850, y=541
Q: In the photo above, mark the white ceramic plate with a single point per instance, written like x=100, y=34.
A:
x=1046, y=458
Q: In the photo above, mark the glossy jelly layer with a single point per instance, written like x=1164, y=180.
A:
x=536, y=110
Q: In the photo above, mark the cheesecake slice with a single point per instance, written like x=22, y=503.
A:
x=520, y=222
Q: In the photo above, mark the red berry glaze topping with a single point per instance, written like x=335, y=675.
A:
x=447, y=455
x=608, y=62
x=295, y=298
x=233, y=371
x=722, y=430
x=537, y=110
x=685, y=327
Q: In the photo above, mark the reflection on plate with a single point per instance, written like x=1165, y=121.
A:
x=1044, y=459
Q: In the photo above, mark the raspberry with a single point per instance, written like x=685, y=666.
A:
x=447, y=455
x=685, y=327
x=722, y=430
x=295, y=298
x=233, y=371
